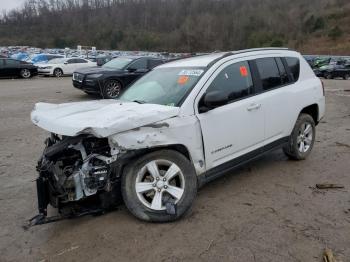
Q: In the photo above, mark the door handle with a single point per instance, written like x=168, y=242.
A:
x=254, y=107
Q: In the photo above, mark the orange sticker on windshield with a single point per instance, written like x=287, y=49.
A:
x=182, y=80
x=244, y=71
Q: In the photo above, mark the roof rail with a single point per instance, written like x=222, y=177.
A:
x=245, y=51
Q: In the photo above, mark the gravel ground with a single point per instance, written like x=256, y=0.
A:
x=269, y=210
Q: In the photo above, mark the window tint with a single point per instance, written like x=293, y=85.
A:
x=294, y=66
x=80, y=61
x=139, y=64
x=153, y=63
x=11, y=62
x=235, y=81
x=269, y=74
x=71, y=61
x=2, y=62
x=283, y=72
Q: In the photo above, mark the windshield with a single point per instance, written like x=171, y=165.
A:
x=163, y=86
x=118, y=63
x=57, y=61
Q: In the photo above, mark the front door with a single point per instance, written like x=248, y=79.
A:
x=237, y=127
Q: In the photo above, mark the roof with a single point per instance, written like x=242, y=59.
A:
x=207, y=60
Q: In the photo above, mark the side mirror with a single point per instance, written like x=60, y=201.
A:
x=212, y=100
x=66, y=63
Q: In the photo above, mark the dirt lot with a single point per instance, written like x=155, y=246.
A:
x=267, y=211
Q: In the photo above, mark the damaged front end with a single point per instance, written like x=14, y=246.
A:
x=78, y=176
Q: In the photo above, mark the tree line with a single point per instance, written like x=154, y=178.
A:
x=174, y=25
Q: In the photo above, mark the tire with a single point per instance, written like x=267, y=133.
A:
x=302, y=139
x=142, y=204
x=347, y=77
x=111, y=89
x=57, y=72
x=25, y=73
x=328, y=75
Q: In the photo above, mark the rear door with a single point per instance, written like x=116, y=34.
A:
x=276, y=90
x=236, y=128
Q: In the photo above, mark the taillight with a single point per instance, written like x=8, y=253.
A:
x=323, y=88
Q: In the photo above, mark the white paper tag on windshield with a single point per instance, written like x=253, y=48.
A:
x=191, y=72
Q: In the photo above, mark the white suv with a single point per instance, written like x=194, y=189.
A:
x=181, y=125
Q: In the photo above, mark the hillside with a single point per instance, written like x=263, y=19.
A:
x=313, y=26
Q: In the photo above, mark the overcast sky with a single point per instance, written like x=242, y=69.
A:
x=10, y=4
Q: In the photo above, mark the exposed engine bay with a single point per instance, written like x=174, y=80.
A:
x=77, y=175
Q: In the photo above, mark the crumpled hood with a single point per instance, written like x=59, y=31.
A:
x=100, y=118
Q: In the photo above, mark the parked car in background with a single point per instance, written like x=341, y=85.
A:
x=22, y=56
x=63, y=66
x=342, y=70
x=101, y=60
x=338, y=68
x=16, y=68
x=44, y=58
x=109, y=80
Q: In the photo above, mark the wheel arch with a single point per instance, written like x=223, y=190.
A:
x=53, y=71
x=115, y=78
x=311, y=110
x=130, y=156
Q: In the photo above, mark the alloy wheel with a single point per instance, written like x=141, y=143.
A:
x=159, y=182
x=305, y=136
x=58, y=73
x=25, y=73
x=113, y=89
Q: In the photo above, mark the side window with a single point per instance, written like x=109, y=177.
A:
x=153, y=63
x=71, y=61
x=11, y=62
x=283, y=72
x=140, y=63
x=2, y=63
x=294, y=66
x=269, y=74
x=235, y=81
x=80, y=61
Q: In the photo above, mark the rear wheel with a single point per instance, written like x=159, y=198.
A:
x=111, y=89
x=328, y=75
x=58, y=72
x=302, y=139
x=25, y=73
x=159, y=186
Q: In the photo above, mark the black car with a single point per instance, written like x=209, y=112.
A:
x=109, y=79
x=335, y=71
x=14, y=68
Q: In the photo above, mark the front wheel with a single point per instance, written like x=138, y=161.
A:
x=159, y=186
x=58, y=72
x=302, y=139
x=111, y=89
x=25, y=73
x=347, y=77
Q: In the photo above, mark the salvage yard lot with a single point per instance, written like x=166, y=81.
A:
x=268, y=210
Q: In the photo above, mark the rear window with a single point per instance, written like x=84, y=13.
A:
x=294, y=66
